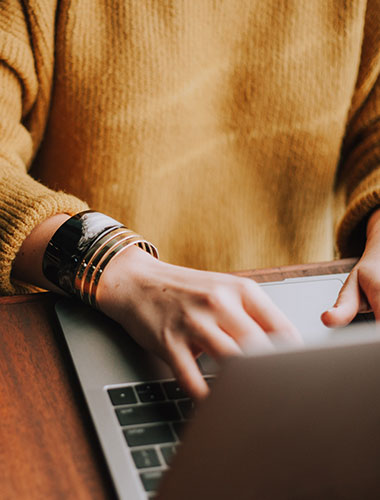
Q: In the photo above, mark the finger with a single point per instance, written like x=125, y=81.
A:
x=215, y=341
x=187, y=372
x=270, y=318
x=347, y=304
x=372, y=291
x=244, y=329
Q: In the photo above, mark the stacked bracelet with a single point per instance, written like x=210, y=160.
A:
x=81, y=248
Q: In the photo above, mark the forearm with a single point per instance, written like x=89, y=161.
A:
x=27, y=266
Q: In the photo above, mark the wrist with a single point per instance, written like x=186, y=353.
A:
x=81, y=249
x=27, y=266
x=126, y=274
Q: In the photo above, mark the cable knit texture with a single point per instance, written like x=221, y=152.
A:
x=232, y=134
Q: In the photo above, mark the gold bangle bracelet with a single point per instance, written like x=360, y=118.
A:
x=87, y=260
x=99, y=255
x=98, y=273
x=95, y=254
x=87, y=284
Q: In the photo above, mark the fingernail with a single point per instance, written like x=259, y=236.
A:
x=332, y=309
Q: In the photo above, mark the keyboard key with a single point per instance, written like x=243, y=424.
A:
x=155, y=434
x=148, y=393
x=122, y=396
x=151, y=479
x=174, y=391
x=149, y=413
x=186, y=408
x=168, y=452
x=145, y=458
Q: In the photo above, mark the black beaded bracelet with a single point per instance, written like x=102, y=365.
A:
x=71, y=245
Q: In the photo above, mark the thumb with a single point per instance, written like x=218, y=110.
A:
x=347, y=304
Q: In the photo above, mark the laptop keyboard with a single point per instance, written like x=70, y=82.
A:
x=152, y=417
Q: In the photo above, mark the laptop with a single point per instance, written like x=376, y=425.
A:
x=139, y=411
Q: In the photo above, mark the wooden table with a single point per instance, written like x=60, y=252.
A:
x=48, y=446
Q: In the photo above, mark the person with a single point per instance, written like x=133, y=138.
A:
x=231, y=135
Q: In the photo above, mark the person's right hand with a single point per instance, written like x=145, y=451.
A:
x=179, y=312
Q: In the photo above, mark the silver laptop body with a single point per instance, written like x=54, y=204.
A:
x=112, y=369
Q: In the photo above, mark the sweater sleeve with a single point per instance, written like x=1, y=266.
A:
x=24, y=202
x=358, y=181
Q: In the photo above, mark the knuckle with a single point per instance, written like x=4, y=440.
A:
x=247, y=286
x=215, y=299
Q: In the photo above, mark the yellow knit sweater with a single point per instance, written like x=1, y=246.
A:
x=232, y=134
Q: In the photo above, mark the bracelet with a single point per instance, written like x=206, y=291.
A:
x=107, y=256
x=81, y=248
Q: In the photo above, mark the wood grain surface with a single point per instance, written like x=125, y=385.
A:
x=48, y=446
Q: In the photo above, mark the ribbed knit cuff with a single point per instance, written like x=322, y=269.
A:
x=351, y=231
x=25, y=204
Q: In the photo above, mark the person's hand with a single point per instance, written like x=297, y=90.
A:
x=178, y=312
x=361, y=291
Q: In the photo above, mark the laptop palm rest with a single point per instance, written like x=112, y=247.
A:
x=103, y=353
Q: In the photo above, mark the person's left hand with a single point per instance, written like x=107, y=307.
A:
x=361, y=291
